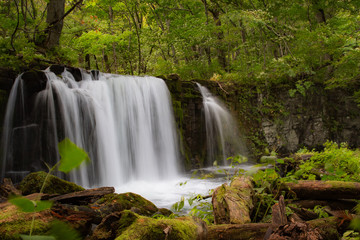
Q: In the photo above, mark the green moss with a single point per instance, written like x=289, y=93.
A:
x=157, y=229
x=14, y=222
x=127, y=218
x=11, y=230
x=32, y=184
x=129, y=201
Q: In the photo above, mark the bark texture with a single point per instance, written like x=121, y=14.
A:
x=325, y=189
x=232, y=204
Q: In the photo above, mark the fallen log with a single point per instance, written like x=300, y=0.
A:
x=83, y=197
x=232, y=204
x=316, y=189
x=344, y=204
x=255, y=231
x=327, y=228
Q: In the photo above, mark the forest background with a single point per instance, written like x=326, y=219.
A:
x=258, y=42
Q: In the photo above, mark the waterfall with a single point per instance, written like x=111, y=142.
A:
x=125, y=123
x=223, y=139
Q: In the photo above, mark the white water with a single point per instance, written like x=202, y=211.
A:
x=223, y=139
x=165, y=193
x=125, y=123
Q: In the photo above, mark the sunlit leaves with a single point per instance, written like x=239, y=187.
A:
x=71, y=155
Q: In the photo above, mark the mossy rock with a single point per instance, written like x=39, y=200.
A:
x=114, y=202
x=113, y=225
x=14, y=222
x=32, y=184
x=158, y=229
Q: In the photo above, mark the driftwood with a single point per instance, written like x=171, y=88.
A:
x=324, y=189
x=232, y=204
x=83, y=197
x=325, y=228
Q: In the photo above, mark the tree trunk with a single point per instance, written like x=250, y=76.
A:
x=55, y=13
x=324, y=189
x=232, y=204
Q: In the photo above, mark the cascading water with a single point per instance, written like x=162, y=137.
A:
x=223, y=139
x=125, y=123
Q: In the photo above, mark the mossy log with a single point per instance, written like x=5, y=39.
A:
x=327, y=228
x=308, y=189
x=255, y=231
x=232, y=204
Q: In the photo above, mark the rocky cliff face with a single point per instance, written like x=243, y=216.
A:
x=312, y=119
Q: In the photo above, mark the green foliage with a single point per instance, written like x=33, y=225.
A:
x=333, y=163
x=60, y=230
x=71, y=155
x=319, y=210
x=265, y=183
x=27, y=205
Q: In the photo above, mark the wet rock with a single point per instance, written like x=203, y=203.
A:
x=164, y=211
x=185, y=228
x=112, y=225
x=33, y=182
x=114, y=202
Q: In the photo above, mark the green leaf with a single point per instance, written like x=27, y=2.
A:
x=24, y=204
x=71, y=155
x=42, y=205
x=355, y=224
x=62, y=230
x=37, y=237
x=281, y=161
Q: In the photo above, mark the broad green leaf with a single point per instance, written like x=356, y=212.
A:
x=71, y=155
x=62, y=230
x=37, y=237
x=23, y=204
x=27, y=205
x=42, y=205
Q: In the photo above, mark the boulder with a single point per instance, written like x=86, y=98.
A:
x=114, y=202
x=112, y=225
x=184, y=228
x=33, y=182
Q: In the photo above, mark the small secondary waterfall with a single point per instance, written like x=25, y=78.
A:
x=125, y=123
x=223, y=139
